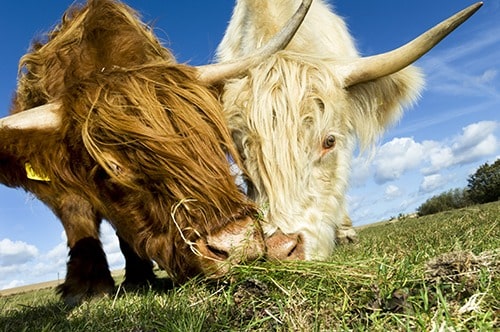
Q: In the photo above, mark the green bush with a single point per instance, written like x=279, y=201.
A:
x=450, y=200
x=484, y=185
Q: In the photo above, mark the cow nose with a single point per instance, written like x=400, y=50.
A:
x=240, y=241
x=236, y=250
x=281, y=246
x=217, y=251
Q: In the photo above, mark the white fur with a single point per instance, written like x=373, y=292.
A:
x=282, y=111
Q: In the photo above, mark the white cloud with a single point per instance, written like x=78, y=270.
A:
x=476, y=142
x=438, y=155
x=17, y=252
x=396, y=157
x=432, y=182
x=484, y=148
x=473, y=134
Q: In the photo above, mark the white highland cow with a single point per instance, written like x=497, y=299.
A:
x=297, y=117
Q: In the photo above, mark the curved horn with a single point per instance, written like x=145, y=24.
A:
x=373, y=67
x=217, y=72
x=41, y=117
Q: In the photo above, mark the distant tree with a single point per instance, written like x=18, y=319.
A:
x=484, y=185
x=449, y=200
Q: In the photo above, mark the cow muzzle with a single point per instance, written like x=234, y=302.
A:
x=281, y=246
x=243, y=242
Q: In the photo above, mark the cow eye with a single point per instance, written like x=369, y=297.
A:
x=329, y=142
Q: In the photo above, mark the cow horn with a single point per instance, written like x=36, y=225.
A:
x=217, y=72
x=377, y=66
x=41, y=117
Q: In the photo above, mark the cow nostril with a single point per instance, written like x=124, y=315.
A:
x=292, y=250
x=219, y=253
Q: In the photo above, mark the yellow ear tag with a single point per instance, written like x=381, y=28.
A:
x=32, y=175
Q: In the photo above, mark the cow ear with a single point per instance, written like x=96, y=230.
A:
x=378, y=104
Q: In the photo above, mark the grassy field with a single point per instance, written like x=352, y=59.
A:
x=434, y=273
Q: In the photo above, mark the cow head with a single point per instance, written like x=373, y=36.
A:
x=297, y=118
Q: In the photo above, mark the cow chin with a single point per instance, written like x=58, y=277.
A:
x=242, y=242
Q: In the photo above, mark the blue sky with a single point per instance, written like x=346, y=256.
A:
x=453, y=129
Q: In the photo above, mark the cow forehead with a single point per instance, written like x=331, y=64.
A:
x=291, y=95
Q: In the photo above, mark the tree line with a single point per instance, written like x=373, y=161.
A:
x=482, y=187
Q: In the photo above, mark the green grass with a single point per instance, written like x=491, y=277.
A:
x=438, y=272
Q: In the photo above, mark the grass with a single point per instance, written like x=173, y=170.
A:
x=434, y=273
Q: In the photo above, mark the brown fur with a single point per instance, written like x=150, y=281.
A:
x=140, y=136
